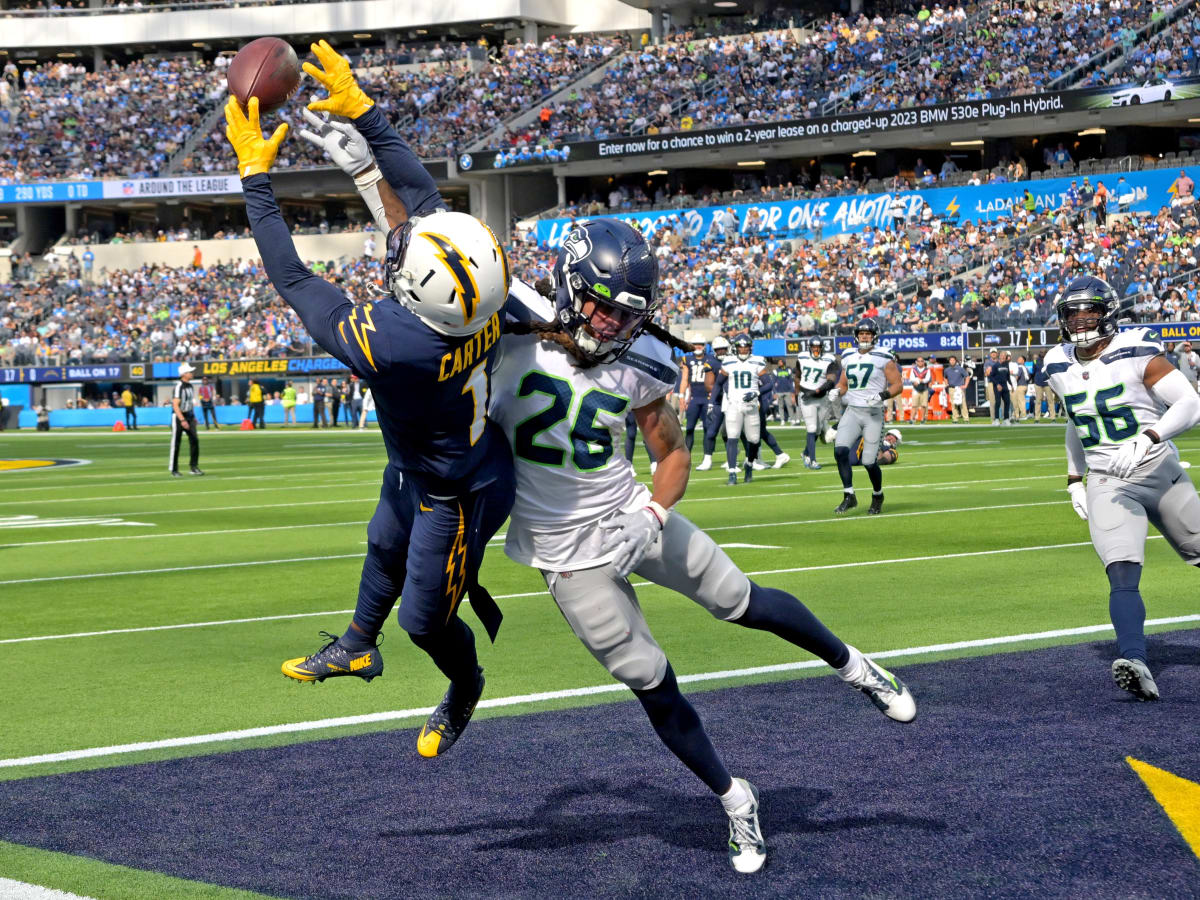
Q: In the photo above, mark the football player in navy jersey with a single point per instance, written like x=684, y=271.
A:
x=426, y=353
x=699, y=372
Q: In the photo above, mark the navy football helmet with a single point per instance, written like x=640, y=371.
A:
x=743, y=347
x=816, y=346
x=607, y=267
x=870, y=326
x=1088, y=311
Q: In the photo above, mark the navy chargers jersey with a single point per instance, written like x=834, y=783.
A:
x=431, y=391
x=698, y=370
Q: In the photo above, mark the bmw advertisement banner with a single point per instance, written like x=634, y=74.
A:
x=863, y=123
x=1141, y=192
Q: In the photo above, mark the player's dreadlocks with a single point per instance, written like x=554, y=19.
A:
x=553, y=330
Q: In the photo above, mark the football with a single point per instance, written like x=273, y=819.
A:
x=266, y=68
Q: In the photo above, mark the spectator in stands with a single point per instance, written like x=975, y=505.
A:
x=1184, y=190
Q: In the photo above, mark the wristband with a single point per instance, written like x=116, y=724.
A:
x=368, y=177
x=660, y=512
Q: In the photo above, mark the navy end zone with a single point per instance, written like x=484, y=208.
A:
x=1012, y=783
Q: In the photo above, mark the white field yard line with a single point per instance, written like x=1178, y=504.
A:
x=185, y=534
x=501, y=537
x=10, y=889
x=292, y=486
x=636, y=584
x=365, y=465
x=544, y=696
x=831, y=488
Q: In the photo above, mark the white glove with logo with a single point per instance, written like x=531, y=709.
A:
x=1078, y=498
x=340, y=141
x=631, y=535
x=1130, y=454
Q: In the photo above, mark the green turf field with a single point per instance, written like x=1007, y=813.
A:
x=144, y=617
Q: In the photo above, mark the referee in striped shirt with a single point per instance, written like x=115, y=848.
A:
x=183, y=419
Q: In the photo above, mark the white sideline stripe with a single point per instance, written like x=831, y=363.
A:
x=176, y=534
x=372, y=466
x=293, y=486
x=228, y=565
x=636, y=584
x=499, y=702
x=20, y=890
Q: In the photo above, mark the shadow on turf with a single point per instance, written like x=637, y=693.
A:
x=641, y=809
x=1161, y=653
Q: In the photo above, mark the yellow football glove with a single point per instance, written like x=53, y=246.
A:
x=345, y=96
x=255, y=154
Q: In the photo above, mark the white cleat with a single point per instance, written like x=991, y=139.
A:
x=759, y=465
x=1134, y=676
x=782, y=460
x=705, y=464
x=747, y=849
x=887, y=692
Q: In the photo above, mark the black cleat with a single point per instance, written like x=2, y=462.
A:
x=175, y=473
x=748, y=468
x=876, y=505
x=196, y=470
x=849, y=501
x=446, y=723
x=334, y=660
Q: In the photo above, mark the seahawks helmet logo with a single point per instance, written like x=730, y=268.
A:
x=577, y=245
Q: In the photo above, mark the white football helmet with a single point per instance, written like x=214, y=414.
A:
x=449, y=269
x=720, y=345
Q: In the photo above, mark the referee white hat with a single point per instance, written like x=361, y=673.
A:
x=184, y=368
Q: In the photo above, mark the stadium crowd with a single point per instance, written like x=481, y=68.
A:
x=925, y=276
x=698, y=79
x=68, y=123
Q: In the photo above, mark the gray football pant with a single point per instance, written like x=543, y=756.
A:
x=602, y=608
x=864, y=422
x=1119, y=512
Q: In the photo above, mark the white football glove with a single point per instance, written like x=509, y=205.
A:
x=340, y=141
x=1078, y=498
x=631, y=535
x=1130, y=454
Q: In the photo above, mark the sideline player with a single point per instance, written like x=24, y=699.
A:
x=584, y=521
x=1113, y=386
x=816, y=375
x=698, y=376
x=714, y=418
x=427, y=354
x=737, y=393
x=869, y=377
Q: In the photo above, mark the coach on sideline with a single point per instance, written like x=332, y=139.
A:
x=183, y=419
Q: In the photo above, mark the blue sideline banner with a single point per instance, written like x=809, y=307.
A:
x=1142, y=192
x=51, y=191
x=1169, y=332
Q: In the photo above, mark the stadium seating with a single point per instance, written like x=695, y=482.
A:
x=985, y=276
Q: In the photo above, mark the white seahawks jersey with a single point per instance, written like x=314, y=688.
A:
x=1105, y=398
x=742, y=377
x=566, y=426
x=811, y=371
x=864, y=375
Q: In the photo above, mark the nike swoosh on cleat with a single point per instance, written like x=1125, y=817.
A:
x=336, y=668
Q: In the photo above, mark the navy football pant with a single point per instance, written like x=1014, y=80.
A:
x=712, y=427
x=695, y=414
x=427, y=552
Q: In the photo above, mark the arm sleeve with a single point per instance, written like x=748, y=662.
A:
x=718, y=390
x=1076, y=460
x=399, y=165
x=1183, y=405
x=321, y=306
